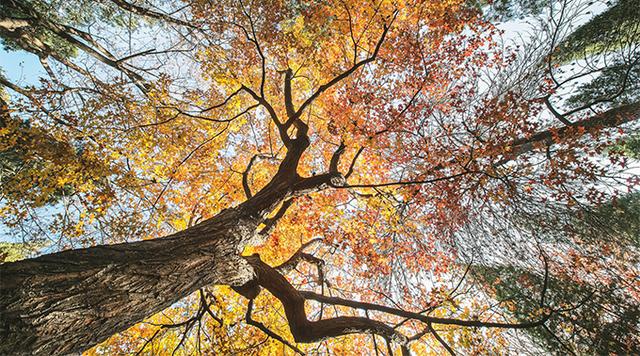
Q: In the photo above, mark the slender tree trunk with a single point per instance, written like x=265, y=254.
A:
x=69, y=301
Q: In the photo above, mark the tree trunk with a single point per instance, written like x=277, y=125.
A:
x=69, y=301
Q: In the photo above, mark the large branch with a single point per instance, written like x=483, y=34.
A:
x=512, y=150
x=245, y=177
x=304, y=330
x=608, y=119
x=288, y=97
x=422, y=317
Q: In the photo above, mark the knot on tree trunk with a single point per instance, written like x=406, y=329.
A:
x=338, y=180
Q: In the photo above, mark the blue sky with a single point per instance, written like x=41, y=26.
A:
x=20, y=67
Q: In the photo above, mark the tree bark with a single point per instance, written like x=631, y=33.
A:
x=608, y=119
x=69, y=301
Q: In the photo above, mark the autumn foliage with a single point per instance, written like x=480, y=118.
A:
x=422, y=160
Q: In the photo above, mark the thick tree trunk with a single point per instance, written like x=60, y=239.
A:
x=69, y=301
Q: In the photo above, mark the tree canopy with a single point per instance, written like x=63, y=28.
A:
x=322, y=177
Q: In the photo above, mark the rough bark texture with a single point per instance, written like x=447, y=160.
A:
x=68, y=301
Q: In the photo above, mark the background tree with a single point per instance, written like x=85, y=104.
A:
x=604, y=314
x=231, y=144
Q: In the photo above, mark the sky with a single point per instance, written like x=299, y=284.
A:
x=20, y=67
x=24, y=69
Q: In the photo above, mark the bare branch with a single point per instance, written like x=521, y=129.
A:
x=148, y=341
x=266, y=330
x=424, y=318
x=258, y=48
x=142, y=11
x=441, y=340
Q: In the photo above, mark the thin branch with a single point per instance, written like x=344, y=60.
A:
x=258, y=48
x=441, y=341
x=266, y=330
x=225, y=101
x=207, y=308
x=299, y=256
x=270, y=223
x=142, y=11
x=348, y=72
x=148, y=341
x=184, y=160
x=353, y=163
x=401, y=183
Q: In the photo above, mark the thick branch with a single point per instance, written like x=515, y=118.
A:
x=245, y=177
x=420, y=317
x=335, y=158
x=11, y=24
x=608, y=119
x=304, y=330
x=288, y=98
